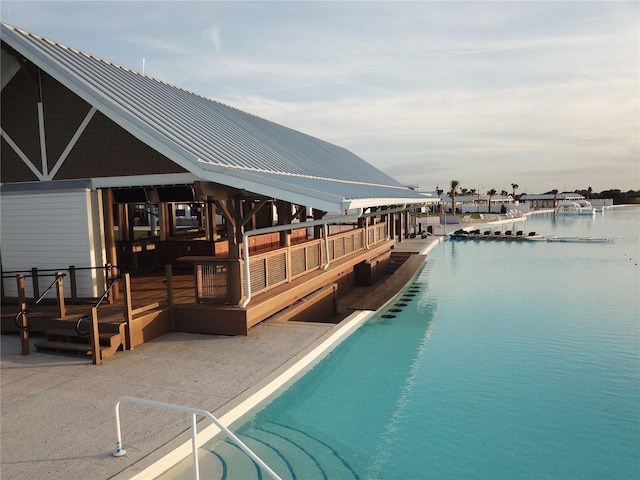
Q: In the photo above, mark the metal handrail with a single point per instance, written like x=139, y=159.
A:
x=27, y=273
x=24, y=311
x=193, y=411
x=104, y=295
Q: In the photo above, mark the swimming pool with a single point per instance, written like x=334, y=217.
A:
x=498, y=360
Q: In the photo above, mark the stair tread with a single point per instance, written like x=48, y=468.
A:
x=71, y=332
x=80, y=347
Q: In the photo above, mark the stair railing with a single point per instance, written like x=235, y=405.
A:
x=21, y=321
x=94, y=332
x=194, y=445
x=110, y=285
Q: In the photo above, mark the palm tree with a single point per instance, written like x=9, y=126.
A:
x=515, y=186
x=491, y=193
x=555, y=197
x=589, y=192
x=452, y=194
x=439, y=191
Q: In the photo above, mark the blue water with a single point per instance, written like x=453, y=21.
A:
x=506, y=360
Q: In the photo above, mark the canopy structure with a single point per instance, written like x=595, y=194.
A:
x=206, y=140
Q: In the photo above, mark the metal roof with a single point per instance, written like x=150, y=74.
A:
x=550, y=196
x=213, y=141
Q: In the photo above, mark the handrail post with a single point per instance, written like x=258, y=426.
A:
x=74, y=285
x=24, y=323
x=96, y=354
x=168, y=268
x=24, y=331
x=115, y=289
x=119, y=450
x=126, y=280
x=194, y=446
x=107, y=277
x=35, y=282
x=62, y=310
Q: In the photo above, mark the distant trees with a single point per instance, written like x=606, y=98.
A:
x=491, y=193
x=619, y=197
x=452, y=193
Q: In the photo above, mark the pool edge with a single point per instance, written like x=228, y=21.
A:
x=179, y=448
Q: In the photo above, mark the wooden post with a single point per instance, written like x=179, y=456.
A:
x=107, y=276
x=169, y=275
x=109, y=233
x=35, y=282
x=62, y=310
x=24, y=331
x=24, y=323
x=95, y=338
x=74, y=285
x=126, y=280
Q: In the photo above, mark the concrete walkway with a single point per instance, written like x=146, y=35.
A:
x=57, y=415
x=57, y=412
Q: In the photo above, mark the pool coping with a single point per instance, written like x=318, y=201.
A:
x=176, y=450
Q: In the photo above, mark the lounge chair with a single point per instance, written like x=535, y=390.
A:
x=532, y=234
x=519, y=233
x=507, y=233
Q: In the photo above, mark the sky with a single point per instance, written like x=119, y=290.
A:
x=542, y=94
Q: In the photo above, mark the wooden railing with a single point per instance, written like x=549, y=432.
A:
x=72, y=272
x=271, y=269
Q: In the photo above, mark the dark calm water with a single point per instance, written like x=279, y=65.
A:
x=503, y=360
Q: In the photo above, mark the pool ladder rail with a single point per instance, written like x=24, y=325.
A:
x=193, y=413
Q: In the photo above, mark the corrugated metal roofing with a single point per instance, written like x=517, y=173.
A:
x=214, y=141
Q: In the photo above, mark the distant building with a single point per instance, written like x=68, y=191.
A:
x=548, y=200
x=478, y=203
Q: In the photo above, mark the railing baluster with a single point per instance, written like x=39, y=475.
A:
x=74, y=285
x=96, y=354
x=34, y=282
x=62, y=310
x=23, y=325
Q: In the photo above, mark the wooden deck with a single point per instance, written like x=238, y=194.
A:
x=326, y=290
x=145, y=289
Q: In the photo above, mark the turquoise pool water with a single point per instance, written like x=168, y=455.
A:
x=502, y=360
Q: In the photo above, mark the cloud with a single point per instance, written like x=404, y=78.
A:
x=488, y=93
x=213, y=35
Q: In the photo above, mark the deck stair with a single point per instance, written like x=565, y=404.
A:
x=396, y=260
x=64, y=339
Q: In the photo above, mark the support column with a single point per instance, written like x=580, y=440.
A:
x=123, y=222
x=284, y=218
x=232, y=209
x=163, y=220
x=109, y=235
x=317, y=230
